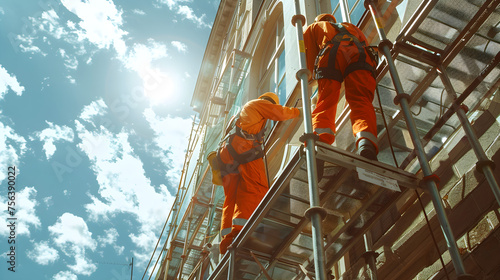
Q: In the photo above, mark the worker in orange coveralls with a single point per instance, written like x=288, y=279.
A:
x=242, y=168
x=336, y=53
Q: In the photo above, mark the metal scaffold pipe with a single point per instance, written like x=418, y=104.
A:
x=429, y=178
x=315, y=212
x=370, y=257
x=484, y=164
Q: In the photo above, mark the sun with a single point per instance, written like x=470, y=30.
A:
x=159, y=87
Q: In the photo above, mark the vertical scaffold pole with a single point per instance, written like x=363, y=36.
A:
x=184, y=255
x=315, y=213
x=484, y=164
x=370, y=257
x=430, y=179
x=232, y=262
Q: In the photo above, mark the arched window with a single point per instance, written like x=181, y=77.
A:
x=272, y=65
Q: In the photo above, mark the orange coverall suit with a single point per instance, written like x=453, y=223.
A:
x=352, y=64
x=245, y=188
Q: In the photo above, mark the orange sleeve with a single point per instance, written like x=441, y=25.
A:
x=255, y=113
x=277, y=112
x=312, y=48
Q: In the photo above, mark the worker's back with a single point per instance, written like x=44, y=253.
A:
x=318, y=34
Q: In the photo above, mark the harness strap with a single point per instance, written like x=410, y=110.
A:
x=232, y=168
x=330, y=72
x=226, y=168
x=252, y=137
x=245, y=157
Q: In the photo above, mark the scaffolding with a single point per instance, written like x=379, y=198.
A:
x=304, y=225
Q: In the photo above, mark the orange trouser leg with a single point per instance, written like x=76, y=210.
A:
x=252, y=189
x=360, y=86
x=230, y=183
x=323, y=116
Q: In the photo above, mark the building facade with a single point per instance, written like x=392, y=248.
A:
x=446, y=53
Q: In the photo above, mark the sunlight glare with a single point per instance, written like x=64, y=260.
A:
x=158, y=86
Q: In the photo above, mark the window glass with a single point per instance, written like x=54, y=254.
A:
x=273, y=63
x=281, y=78
x=238, y=101
x=282, y=92
x=336, y=10
x=271, y=79
x=281, y=66
x=280, y=30
x=357, y=13
x=270, y=49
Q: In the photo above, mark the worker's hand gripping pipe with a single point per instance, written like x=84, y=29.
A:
x=315, y=212
x=429, y=178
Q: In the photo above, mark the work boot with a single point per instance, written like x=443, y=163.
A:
x=366, y=149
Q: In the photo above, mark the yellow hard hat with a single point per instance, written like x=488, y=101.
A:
x=271, y=96
x=325, y=17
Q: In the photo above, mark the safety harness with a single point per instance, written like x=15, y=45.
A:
x=254, y=153
x=331, y=48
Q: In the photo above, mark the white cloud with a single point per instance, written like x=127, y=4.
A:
x=156, y=84
x=140, y=57
x=71, y=234
x=43, y=254
x=172, y=134
x=100, y=24
x=12, y=146
x=181, y=47
x=2, y=12
x=65, y=275
x=138, y=12
x=52, y=134
x=47, y=22
x=119, y=249
x=71, y=79
x=83, y=265
x=26, y=44
x=123, y=185
x=100, y=21
x=172, y=4
x=96, y=108
x=48, y=201
x=186, y=12
x=71, y=230
x=50, y=23
x=25, y=212
x=109, y=238
x=9, y=81
x=70, y=61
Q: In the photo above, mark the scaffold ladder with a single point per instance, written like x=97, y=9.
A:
x=430, y=179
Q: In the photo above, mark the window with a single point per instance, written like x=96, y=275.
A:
x=355, y=8
x=273, y=71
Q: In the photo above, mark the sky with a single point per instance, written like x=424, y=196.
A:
x=94, y=123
